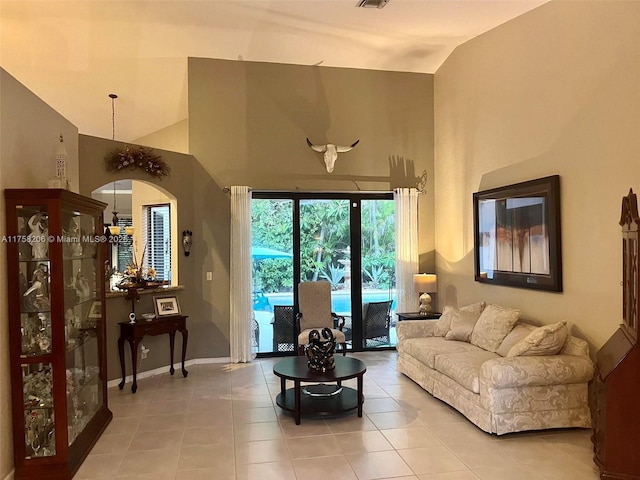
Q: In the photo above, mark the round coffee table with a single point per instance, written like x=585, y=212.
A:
x=319, y=399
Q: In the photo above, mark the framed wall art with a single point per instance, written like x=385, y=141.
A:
x=517, y=235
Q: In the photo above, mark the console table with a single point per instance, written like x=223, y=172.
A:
x=134, y=332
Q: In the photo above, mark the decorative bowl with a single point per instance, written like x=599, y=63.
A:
x=148, y=316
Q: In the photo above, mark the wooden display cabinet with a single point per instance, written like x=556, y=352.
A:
x=615, y=390
x=55, y=251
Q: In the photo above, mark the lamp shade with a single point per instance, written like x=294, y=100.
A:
x=425, y=282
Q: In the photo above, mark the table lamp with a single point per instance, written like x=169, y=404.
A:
x=424, y=284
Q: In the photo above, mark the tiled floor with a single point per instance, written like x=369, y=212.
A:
x=221, y=423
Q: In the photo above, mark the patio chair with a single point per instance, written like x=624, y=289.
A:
x=376, y=320
x=314, y=299
x=284, y=336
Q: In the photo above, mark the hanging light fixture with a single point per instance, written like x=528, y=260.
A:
x=114, y=229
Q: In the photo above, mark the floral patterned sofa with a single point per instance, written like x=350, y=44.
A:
x=502, y=374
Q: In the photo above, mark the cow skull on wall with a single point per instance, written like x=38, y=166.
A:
x=331, y=152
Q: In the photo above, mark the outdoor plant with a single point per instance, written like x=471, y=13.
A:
x=334, y=275
x=377, y=275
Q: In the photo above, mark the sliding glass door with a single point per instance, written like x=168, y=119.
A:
x=345, y=239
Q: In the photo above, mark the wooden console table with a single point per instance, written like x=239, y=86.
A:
x=134, y=332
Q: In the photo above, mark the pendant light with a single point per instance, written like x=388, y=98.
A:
x=114, y=229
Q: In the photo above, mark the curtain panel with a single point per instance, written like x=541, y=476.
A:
x=241, y=349
x=406, y=206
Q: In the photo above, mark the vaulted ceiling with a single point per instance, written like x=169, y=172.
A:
x=72, y=54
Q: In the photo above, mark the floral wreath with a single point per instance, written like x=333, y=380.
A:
x=133, y=157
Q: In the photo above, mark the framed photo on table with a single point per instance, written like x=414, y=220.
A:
x=166, y=306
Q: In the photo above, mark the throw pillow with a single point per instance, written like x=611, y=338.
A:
x=494, y=324
x=520, y=331
x=443, y=324
x=462, y=324
x=544, y=340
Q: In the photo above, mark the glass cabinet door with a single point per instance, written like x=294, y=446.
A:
x=34, y=272
x=82, y=317
x=39, y=422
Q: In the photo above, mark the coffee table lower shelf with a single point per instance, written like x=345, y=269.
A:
x=314, y=404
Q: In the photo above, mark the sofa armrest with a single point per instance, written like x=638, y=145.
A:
x=414, y=329
x=509, y=372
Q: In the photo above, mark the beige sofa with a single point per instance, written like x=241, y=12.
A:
x=503, y=375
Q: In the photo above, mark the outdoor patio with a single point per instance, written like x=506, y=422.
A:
x=265, y=327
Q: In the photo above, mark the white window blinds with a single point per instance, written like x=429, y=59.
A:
x=157, y=239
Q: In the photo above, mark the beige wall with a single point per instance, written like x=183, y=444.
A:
x=197, y=211
x=29, y=131
x=248, y=122
x=555, y=91
x=174, y=138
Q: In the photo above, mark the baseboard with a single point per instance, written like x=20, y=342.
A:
x=165, y=369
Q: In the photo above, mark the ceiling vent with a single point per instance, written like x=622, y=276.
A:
x=371, y=3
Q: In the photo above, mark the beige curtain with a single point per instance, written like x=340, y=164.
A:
x=240, y=276
x=406, y=205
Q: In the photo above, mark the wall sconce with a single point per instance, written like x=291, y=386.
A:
x=424, y=284
x=187, y=240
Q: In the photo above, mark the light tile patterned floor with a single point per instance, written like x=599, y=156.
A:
x=221, y=423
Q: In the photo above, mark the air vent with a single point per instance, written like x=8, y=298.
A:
x=371, y=3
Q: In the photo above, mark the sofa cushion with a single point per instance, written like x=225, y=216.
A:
x=493, y=326
x=464, y=367
x=544, y=340
x=443, y=325
x=462, y=324
x=427, y=349
x=520, y=331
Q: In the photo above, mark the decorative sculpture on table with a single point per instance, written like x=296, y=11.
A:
x=331, y=152
x=320, y=352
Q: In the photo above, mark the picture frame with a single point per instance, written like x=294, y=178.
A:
x=95, y=310
x=166, y=306
x=517, y=235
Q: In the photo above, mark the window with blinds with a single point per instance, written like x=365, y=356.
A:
x=123, y=247
x=156, y=232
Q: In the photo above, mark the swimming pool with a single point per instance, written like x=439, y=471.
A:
x=340, y=301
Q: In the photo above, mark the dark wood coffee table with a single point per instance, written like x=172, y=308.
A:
x=319, y=399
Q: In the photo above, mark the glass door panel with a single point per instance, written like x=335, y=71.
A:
x=347, y=240
x=325, y=251
x=272, y=273
x=378, y=273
